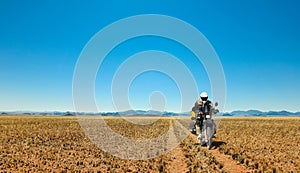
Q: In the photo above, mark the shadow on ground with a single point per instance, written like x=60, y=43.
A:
x=217, y=144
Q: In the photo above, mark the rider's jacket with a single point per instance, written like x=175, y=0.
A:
x=202, y=106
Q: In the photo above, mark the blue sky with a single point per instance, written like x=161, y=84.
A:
x=257, y=43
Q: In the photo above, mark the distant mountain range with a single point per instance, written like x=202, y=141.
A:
x=69, y=113
x=153, y=112
x=260, y=113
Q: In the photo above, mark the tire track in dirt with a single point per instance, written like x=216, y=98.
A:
x=229, y=165
x=177, y=161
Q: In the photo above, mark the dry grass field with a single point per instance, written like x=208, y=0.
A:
x=58, y=144
x=265, y=144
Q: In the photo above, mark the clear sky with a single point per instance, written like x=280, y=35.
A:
x=257, y=43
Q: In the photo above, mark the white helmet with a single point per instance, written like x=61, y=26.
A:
x=204, y=96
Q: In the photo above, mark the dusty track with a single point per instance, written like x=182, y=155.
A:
x=229, y=165
x=177, y=164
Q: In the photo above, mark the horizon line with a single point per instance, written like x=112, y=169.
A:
x=45, y=111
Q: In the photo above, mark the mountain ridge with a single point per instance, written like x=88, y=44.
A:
x=251, y=112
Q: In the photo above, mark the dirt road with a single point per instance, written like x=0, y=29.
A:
x=178, y=162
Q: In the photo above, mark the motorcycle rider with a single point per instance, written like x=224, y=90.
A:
x=203, y=106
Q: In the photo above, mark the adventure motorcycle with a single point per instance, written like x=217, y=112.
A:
x=208, y=128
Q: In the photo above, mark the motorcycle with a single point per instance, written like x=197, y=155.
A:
x=208, y=126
